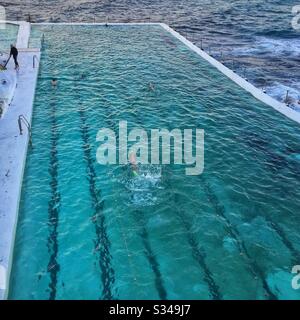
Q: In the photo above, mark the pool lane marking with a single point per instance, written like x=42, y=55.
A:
x=278, y=229
x=162, y=292
x=53, y=205
x=159, y=283
x=234, y=233
x=113, y=125
x=129, y=255
x=102, y=243
x=220, y=211
x=198, y=254
x=274, y=225
x=145, y=237
x=258, y=94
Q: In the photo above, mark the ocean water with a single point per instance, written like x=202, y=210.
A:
x=253, y=37
x=88, y=231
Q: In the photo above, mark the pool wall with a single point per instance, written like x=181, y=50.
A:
x=13, y=150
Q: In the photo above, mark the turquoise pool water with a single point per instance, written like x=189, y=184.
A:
x=8, y=35
x=95, y=232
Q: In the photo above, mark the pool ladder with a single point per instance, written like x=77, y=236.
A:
x=22, y=119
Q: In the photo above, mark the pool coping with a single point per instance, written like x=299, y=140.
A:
x=14, y=146
x=26, y=105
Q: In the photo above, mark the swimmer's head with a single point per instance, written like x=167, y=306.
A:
x=151, y=86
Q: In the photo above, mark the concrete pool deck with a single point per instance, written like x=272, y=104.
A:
x=13, y=150
x=13, y=147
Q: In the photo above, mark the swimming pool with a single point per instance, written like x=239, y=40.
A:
x=8, y=35
x=94, y=232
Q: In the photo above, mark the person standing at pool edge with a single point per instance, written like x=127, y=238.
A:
x=14, y=53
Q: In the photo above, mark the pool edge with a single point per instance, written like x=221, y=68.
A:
x=243, y=83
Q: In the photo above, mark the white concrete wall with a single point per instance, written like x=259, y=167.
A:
x=23, y=35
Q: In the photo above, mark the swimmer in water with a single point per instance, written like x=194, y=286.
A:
x=54, y=82
x=132, y=161
x=151, y=86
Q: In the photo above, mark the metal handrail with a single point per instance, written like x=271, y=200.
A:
x=21, y=119
x=33, y=60
x=286, y=100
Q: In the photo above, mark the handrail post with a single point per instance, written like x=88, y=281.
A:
x=20, y=125
x=287, y=97
x=27, y=124
x=33, y=60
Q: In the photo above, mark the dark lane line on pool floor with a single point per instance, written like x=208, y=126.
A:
x=277, y=228
x=198, y=256
x=159, y=284
x=162, y=292
x=102, y=243
x=261, y=144
x=54, y=204
x=114, y=126
x=198, y=252
x=234, y=233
